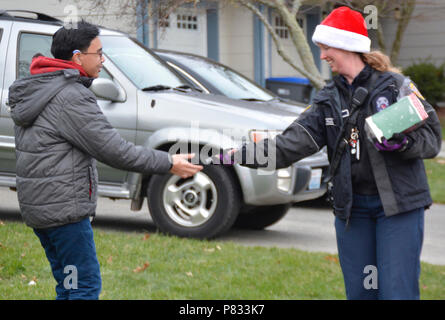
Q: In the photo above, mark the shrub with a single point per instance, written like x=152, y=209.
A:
x=429, y=79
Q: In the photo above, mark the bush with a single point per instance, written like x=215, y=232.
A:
x=429, y=79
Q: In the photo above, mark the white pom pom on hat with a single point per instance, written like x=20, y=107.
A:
x=344, y=29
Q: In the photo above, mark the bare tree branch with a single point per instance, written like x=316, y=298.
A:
x=300, y=41
x=406, y=13
x=295, y=7
x=381, y=38
x=317, y=81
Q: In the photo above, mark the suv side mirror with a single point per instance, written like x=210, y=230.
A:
x=108, y=90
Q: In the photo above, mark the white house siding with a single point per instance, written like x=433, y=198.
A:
x=280, y=68
x=190, y=36
x=236, y=39
x=236, y=45
x=48, y=7
x=425, y=35
x=113, y=18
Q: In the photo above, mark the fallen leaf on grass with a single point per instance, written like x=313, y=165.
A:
x=110, y=260
x=2, y=223
x=209, y=249
x=33, y=282
x=331, y=258
x=142, y=268
x=146, y=236
x=440, y=161
x=189, y=274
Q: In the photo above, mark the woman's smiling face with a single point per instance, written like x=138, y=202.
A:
x=336, y=58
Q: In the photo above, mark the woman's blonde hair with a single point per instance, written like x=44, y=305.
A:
x=379, y=61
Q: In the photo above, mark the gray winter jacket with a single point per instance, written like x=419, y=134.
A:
x=59, y=132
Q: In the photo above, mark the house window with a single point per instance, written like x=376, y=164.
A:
x=187, y=21
x=281, y=28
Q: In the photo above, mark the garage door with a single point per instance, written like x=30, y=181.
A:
x=184, y=30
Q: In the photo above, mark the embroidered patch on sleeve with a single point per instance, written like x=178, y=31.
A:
x=415, y=90
x=307, y=107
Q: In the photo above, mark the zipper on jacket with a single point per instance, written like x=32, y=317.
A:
x=90, y=181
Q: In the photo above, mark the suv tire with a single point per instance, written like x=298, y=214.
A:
x=203, y=206
x=261, y=217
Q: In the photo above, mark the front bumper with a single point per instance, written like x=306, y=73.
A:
x=303, y=181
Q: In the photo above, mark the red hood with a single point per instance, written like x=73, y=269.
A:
x=44, y=64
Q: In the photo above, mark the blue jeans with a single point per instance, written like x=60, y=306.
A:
x=71, y=252
x=379, y=255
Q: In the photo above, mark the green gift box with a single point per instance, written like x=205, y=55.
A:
x=403, y=116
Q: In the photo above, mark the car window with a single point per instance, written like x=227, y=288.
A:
x=105, y=74
x=228, y=81
x=29, y=45
x=138, y=64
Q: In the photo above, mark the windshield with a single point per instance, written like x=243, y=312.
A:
x=139, y=65
x=229, y=82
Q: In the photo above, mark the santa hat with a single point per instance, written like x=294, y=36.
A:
x=344, y=29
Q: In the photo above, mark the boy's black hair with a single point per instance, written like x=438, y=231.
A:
x=78, y=36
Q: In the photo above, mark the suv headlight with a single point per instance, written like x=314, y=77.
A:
x=258, y=135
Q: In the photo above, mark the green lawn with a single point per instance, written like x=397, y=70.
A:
x=435, y=170
x=151, y=266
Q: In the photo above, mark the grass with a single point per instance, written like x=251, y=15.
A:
x=152, y=266
x=435, y=170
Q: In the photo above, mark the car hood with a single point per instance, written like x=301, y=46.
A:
x=283, y=105
x=216, y=111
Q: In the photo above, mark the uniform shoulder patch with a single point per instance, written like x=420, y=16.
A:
x=307, y=108
x=415, y=90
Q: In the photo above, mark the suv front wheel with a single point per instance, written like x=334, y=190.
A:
x=261, y=217
x=203, y=206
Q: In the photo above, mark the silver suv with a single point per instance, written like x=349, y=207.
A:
x=151, y=105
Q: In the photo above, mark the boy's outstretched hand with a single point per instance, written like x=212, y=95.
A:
x=183, y=168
